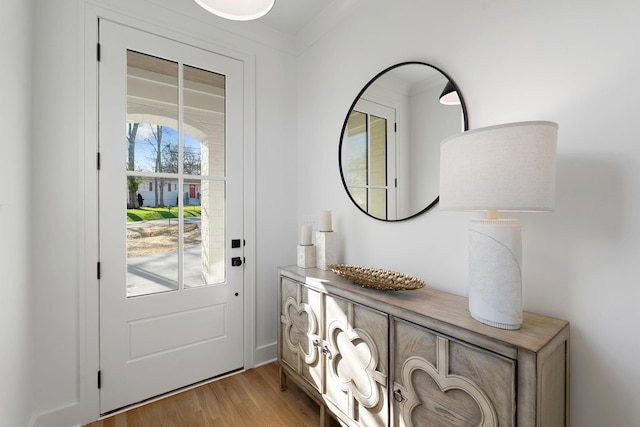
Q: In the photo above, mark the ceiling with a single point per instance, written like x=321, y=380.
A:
x=290, y=16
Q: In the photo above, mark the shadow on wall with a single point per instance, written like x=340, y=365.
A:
x=572, y=258
x=589, y=197
x=566, y=248
x=614, y=399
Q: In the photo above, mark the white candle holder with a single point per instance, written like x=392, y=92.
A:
x=306, y=256
x=326, y=254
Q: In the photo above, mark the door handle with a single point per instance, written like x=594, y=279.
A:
x=397, y=395
x=236, y=261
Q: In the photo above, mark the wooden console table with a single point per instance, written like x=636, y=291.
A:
x=416, y=358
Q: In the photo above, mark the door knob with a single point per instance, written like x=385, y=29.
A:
x=236, y=261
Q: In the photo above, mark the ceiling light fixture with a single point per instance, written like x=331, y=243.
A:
x=237, y=10
x=449, y=95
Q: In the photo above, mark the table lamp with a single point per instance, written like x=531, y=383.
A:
x=504, y=168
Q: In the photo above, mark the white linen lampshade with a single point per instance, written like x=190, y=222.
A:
x=507, y=167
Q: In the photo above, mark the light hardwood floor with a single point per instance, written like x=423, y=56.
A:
x=251, y=398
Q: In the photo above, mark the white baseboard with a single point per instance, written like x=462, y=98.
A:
x=265, y=354
x=66, y=416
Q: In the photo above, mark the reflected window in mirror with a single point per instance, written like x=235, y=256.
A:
x=370, y=139
x=390, y=143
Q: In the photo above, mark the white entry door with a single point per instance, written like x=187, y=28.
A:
x=171, y=219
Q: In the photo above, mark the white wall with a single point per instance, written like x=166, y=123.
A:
x=431, y=122
x=15, y=214
x=573, y=63
x=64, y=295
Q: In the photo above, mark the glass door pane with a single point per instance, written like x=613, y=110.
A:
x=204, y=246
x=357, y=133
x=151, y=147
x=204, y=118
x=175, y=162
x=366, y=169
x=204, y=155
x=378, y=167
x=378, y=152
x=356, y=149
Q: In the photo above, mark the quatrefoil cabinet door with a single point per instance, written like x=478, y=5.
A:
x=442, y=382
x=301, y=328
x=356, y=360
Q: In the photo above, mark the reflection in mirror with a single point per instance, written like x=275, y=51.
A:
x=390, y=143
x=370, y=139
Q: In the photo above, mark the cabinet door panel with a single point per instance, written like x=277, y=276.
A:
x=356, y=339
x=443, y=382
x=301, y=325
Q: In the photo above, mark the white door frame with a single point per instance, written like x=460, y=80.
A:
x=89, y=304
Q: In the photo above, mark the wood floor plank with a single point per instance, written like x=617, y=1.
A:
x=248, y=399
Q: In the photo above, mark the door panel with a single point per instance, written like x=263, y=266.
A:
x=301, y=324
x=171, y=306
x=357, y=362
x=440, y=381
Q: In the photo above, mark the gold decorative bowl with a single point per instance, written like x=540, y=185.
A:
x=377, y=278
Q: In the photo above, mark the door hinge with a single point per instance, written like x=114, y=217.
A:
x=98, y=270
x=99, y=379
x=98, y=160
x=396, y=182
x=98, y=52
x=395, y=127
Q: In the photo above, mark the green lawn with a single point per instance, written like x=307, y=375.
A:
x=150, y=214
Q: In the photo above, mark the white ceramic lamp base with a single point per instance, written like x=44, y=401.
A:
x=495, y=275
x=327, y=249
x=306, y=256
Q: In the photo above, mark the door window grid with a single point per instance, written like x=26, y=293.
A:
x=367, y=162
x=162, y=96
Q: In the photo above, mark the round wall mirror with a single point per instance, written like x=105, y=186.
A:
x=389, y=151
